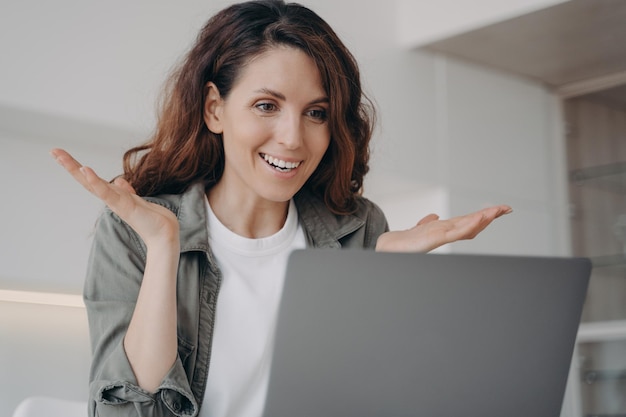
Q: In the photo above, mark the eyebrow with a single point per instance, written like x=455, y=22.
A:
x=281, y=96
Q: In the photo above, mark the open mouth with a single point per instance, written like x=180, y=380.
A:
x=279, y=164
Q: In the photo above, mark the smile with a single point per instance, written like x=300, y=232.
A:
x=279, y=164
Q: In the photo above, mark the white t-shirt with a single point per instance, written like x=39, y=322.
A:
x=253, y=273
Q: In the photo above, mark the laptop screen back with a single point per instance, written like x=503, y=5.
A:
x=365, y=334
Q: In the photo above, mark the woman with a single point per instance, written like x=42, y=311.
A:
x=261, y=148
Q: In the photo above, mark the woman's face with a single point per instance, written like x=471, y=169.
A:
x=274, y=125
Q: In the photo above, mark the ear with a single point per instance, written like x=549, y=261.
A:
x=213, y=105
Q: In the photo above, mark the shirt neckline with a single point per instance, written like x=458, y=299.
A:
x=220, y=235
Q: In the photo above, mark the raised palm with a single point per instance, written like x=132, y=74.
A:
x=151, y=221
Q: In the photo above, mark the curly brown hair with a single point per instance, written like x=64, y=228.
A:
x=182, y=150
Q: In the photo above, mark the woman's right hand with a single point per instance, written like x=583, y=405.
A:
x=150, y=341
x=154, y=223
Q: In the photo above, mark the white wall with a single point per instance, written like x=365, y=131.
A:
x=95, y=61
x=479, y=137
x=502, y=147
x=46, y=231
x=46, y=225
x=83, y=75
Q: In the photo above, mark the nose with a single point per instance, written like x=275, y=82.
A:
x=292, y=132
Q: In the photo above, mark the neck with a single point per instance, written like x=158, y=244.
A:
x=248, y=217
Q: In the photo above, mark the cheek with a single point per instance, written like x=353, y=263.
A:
x=245, y=133
x=323, y=144
x=319, y=139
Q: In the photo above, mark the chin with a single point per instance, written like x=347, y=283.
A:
x=280, y=196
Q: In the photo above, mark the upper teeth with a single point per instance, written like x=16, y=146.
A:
x=279, y=162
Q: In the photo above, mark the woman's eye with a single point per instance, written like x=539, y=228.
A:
x=266, y=107
x=318, y=114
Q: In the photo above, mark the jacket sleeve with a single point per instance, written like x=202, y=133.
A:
x=114, y=276
x=375, y=222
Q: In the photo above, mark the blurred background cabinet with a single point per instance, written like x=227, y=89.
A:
x=596, y=157
x=575, y=48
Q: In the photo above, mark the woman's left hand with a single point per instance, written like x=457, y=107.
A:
x=431, y=232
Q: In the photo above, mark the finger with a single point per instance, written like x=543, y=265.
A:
x=427, y=219
x=483, y=218
x=467, y=226
x=110, y=194
x=496, y=211
x=470, y=225
x=87, y=177
x=119, y=196
x=71, y=165
x=65, y=160
x=102, y=189
x=504, y=209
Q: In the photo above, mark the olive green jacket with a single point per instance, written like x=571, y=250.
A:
x=114, y=276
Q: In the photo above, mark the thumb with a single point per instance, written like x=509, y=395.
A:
x=429, y=218
x=124, y=185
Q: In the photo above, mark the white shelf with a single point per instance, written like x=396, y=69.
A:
x=602, y=331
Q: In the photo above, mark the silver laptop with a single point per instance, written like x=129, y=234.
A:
x=363, y=334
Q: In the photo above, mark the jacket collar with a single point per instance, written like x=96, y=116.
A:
x=322, y=228
x=193, y=219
